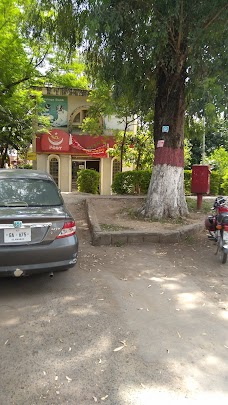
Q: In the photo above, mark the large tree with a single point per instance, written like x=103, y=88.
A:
x=133, y=44
x=23, y=49
x=171, y=42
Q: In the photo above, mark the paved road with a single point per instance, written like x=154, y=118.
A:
x=134, y=325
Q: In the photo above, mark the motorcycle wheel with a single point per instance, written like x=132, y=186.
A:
x=223, y=257
x=222, y=254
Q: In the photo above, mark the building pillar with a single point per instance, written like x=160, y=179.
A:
x=105, y=176
x=65, y=174
x=41, y=162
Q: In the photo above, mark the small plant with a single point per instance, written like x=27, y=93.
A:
x=119, y=244
x=25, y=166
x=88, y=181
x=111, y=227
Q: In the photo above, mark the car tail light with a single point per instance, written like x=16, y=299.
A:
x=225, y=227
x=69, y=229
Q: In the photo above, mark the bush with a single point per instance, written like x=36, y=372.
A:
x=132, y=182
x=215, y=183
x=224, y=186
x=137, y=182
x=187, y=181
x=25, y=166
x=88, y=181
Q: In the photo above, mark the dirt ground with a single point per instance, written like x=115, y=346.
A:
x=127, y=326
x=121, y=213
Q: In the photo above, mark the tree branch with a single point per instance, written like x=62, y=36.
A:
x=212, y=19
x=172, y=39
x=207, y=24
x=27, y=77
x=180, y=26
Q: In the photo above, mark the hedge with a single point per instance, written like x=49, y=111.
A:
x=187, y=181
x=131, y=182
x=215, y=184
x=88, y=181
x=137, y=182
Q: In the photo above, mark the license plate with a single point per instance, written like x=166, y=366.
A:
x=17, y=235
x=225, y=235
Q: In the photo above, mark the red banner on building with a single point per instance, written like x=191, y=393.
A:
x=58, y=141
x=99, y=151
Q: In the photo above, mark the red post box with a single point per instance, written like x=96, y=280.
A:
x=200, y=182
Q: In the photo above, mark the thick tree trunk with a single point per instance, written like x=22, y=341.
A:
x=4, y=156
x=166, y=197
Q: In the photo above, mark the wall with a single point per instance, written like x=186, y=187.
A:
x=106, y=174
x=42, y=162
x=115, y=123
x=65, y=172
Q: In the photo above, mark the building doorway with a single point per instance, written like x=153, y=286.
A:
x=81, y=165
x=54, y=169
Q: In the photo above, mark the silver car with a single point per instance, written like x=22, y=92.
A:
x=37, y=232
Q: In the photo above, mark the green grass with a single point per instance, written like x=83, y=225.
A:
x=111, y=227
x=192, y=205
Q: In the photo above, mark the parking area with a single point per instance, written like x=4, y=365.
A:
x=128, y=325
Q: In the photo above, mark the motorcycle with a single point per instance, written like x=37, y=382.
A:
x=217, y=225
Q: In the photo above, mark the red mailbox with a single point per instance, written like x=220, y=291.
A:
x=200, y=181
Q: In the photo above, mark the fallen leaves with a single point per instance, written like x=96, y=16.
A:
x=104, y=398
x=117, y=349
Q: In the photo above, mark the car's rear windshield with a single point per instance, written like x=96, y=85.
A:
x=29, y=192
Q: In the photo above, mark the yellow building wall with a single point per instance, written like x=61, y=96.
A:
x=65, y=172
x=41, y=162
x=106, y=176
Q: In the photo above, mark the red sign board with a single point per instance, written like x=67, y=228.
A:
x=56, y=141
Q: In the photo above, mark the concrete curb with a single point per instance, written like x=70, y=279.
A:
x=118, y=238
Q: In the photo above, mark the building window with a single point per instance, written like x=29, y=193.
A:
x=78, y=118
x=54, y=169
x=115, y=168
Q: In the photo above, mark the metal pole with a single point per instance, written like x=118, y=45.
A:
x=203, y=151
